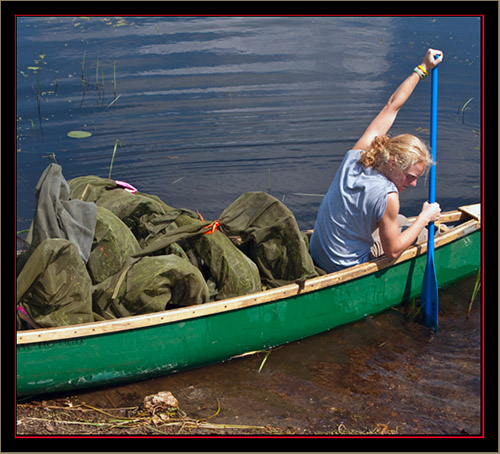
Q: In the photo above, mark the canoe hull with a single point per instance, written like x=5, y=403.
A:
x=151, y=351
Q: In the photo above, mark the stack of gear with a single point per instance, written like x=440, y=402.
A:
x=228, y=271
x=53, y=285
x=111, y=252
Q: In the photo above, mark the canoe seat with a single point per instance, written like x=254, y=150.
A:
x=474, y=211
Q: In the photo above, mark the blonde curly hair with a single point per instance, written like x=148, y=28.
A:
x=405, y=149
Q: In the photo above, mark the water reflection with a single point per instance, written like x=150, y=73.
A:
x=211, y=107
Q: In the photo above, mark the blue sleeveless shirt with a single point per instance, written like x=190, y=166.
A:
x=348, y=215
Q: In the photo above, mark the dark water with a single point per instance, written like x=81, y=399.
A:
x=208, y=108
x=212, y=107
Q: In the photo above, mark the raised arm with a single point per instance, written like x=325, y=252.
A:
x=384, y=120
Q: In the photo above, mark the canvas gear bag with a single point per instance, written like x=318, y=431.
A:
x=227, y=270
x=54, y=287
x=113, y=244
x=90, y=187
x=149, y=284
x=271, y=237
x=57, y=216
x=133, y=209
x=230, y=270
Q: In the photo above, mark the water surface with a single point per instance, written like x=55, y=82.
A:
x=211, y=107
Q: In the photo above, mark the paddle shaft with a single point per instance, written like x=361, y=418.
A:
x=429, y=286
x=434, y=93
x=432, y=173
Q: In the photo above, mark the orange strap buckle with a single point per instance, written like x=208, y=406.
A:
x=211, y=228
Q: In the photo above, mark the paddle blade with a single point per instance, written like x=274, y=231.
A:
x=429, y=296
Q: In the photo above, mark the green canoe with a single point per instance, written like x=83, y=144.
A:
x=147, y=346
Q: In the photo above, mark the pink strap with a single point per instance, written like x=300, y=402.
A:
x=24, y=315
x=126, y=186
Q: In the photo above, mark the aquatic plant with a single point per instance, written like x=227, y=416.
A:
x=477, y=286
x=114, y=78
x=414, y=309
x=38, y=100
x=97, y=74
x=115, y=98
x=463, y=108
x=51, y=157
x=79, y=134
x=99, y=82
x=37, y=68
x=264, y=361
x=83, y=80
x=113, y=157
x=97, y=87
x=111, y=103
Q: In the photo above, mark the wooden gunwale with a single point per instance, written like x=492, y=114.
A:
x=311, y=285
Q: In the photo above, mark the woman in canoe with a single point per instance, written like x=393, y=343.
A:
x=359, y=217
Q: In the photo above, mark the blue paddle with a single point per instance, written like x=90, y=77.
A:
x=429, y=297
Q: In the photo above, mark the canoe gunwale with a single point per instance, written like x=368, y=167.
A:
x=276, y=294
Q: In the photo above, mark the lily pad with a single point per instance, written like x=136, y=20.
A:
x=79, y=134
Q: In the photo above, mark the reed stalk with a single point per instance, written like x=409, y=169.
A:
x=82, y=79
x=111, y=103
x=462, y=110
x=114, y=78
x=97, y=73
x=264, y=361
x=82, y=74
x=477, y=286
x=113, y=157
x=97, y=88
x=39, y=99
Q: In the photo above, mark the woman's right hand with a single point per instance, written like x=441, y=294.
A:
x=430, y=60
x=430, y=212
